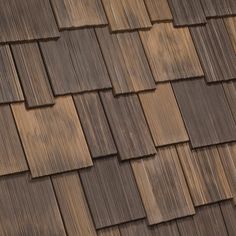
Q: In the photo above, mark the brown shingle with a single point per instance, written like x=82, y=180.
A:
x=111, y=192
x=126, y=14
x=171, y=52
x=52, y=137
x=231, y=28
x=128, y=125
x=126, y=61
x=163, y=116
x=32, y=74
x=28, y=207
x=26, y=20
x=78, y=13
x=162, y=185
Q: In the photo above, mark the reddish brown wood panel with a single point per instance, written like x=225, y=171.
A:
x=205, y=111
x=163, y=116
x=28, y=207
x=230, y=92
x=32, y=74
x=162, y=185
x=171, y=52
x=207, y=221
x=111, y=192
x=126, y=14
x=73, y=205
x=126, y=61
x=215, y=50
x=12, y=158
x=75, y=63
x=52, y=137
x=216, y=8
x=140, y=228
x=128, y=125
x=26, y=20
x=95, y=125
x=78, y=13
x=231, y=28
x=187, y=12
x=158, y=10
x=10, y=89
x=204, y=174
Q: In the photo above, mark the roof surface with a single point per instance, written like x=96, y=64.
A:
x=117, y=118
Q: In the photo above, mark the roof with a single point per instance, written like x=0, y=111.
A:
x=117, y=118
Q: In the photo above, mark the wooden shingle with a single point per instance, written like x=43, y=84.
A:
x=162, y=185
x=126, y=61
x=171, y=52
x=52, y=137
x=111, y=192
x=230, y=23
x=128, y=125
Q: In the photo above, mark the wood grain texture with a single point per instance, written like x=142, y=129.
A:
x=32, y=74
x=162, y=186
x=205, y=111
x=216, y=8
x=126, y=14
x=140, y=228
x=230, y=92
x=75, y=62
x=112, y=193
x=28, y=207
x=73, y=205
x=128, y=125
x=10, y=89
x=95, y=124
x=171, y=52
x=126, y=61
x=187, y=12
x=229, y=213
x=78, y=13
x=204, y=174
x=26, y=20
x=231, y=28
x=158, y=10
x=111, y=231
x=207, y=221
x=163, y=116
x=215, y=50
x=12, y=158
x=52, y=137
x=228, y=159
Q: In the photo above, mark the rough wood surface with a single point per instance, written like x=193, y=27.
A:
x=162, y=185
x=171, y=52
x=187, y=12
x=28, y=207
x=128, y=125
x=207, y=221
x=52, y=137
x=215, y=50
x=126, y=14
x=78, y=13
x=204, y=174
x=205, y=111
x=111, y=231
x=163, y=116
x=126, y=61
x=32, y=74
x=158, y=10
x=75, y=63
x=95, y=124
x=111, y=192
x=12, y=158
x=231, y=28
x=26, y=20
x=73, y=204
